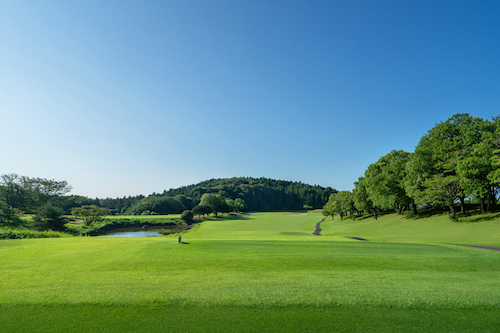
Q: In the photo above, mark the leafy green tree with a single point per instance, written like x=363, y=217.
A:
x=494, y=174
x=28, y=194
x=474, y=170
x=432, y=176
x=229, y=204
x=361, y=198
x=159, y=204
x=14, y=192
x=50, y=217
x=215, y=201
x=9, y=216
x=239, y=205
x=330, y=208
x=187, y=216
x=340, y=203
x=90, y=213
x=384, y=182
x=201, y=210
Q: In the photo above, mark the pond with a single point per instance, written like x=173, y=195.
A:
x=132, y=234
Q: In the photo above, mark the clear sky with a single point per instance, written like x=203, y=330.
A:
x=134, y=97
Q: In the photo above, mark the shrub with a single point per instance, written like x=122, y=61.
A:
x=187, y=216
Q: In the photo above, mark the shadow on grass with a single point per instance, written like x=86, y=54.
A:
x=229, y=217
x=363, y=217
x=472, y=213
x=483, y=218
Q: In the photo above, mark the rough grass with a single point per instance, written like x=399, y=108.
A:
x=264, y=272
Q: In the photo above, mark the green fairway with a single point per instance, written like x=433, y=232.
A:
x=263, y=272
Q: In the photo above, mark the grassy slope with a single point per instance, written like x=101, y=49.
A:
x=475, y=230
x=233, y=276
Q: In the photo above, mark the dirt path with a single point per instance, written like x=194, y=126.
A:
x=317, y=232
x=491, y=248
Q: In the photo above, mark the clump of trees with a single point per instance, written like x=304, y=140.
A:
x=39, y=196
x=90, y=213
x=457, y=159
x=340, y=203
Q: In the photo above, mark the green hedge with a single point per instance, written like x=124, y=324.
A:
x=25, y=233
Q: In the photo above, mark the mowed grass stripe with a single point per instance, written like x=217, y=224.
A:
x=96, y=318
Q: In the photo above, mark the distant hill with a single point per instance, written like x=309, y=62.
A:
x=259, y=194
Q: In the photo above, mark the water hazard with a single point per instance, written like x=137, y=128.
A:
x=132, y=234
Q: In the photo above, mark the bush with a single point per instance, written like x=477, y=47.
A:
x=25, y=233
x=187, y=216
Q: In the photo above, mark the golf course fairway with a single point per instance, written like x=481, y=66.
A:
x=262, y=272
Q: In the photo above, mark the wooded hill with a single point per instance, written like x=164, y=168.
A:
x=258, y=194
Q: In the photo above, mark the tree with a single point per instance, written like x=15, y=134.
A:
x=474, y=170
x=28, y=194
x=90, y=213
x=201, y=210
x=49, y=217
x=159, y=204
x=215, y=201
x=230, y=205
x=330, y=209
x=432, y=176
x=361, y=198
x=340, y=203
x=187, y=216
x=9, y=216
x=239, y=205
x=384, y=181
x=14, y=193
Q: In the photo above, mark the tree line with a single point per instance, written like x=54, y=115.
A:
x=458, y=160
x=258, y=194
x=48, y=200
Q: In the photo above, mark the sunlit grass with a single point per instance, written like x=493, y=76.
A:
x=262, y=272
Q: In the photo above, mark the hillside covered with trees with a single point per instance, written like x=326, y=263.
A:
x=258, y=194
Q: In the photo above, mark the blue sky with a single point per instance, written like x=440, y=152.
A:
x=134, y=97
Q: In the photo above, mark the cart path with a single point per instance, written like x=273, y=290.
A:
x=317, y=232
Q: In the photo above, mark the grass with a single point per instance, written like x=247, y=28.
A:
x=264, y=272
x=475, y=229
